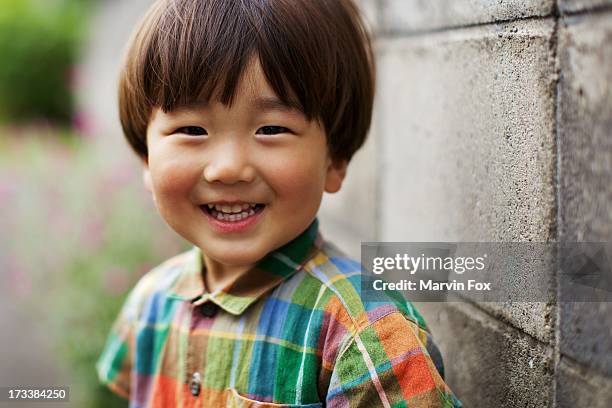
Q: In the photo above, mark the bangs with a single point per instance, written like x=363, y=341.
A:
x=200, y=49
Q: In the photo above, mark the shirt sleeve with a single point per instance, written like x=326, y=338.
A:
x=386, y=364
x=114, y=365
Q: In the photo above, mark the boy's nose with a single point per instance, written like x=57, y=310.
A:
x=229, y=164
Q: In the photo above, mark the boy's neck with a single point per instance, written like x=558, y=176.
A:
x=217, y=276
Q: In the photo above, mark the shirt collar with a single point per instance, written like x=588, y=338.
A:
x=270, y=271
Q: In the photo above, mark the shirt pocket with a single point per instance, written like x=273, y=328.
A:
x=235, y=400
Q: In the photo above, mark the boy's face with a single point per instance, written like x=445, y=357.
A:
x=261, y=167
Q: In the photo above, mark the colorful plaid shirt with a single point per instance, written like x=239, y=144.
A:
x=292, y=332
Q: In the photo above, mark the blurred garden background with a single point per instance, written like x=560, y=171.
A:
x=77, y=227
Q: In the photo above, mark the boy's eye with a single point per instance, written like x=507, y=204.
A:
x=272, y=130
x=191, y=130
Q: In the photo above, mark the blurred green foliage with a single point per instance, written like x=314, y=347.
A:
x=39, y=42
x=82, y=230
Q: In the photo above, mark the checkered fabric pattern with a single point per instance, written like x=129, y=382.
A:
x=292, y=332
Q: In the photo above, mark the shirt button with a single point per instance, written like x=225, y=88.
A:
x=209, y=309
x=195, y=384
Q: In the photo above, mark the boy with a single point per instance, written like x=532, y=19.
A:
x=244, y=113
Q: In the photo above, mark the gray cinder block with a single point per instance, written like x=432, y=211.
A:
x=466, y=120
x=586, y=334
x=572, y=6
x=585, y=147
x=488, y=363
x=467, y=148
x=578, y=386
x=416, y=15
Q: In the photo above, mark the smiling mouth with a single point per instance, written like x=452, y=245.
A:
x=232, y=212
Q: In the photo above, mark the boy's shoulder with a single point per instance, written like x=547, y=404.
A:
x=376, y=318
x=342, y=278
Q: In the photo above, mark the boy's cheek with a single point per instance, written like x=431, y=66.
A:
x=302, y=187
x=172, y=177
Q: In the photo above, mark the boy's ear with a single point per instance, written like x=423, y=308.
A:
x=146, y=177
x=335, y=175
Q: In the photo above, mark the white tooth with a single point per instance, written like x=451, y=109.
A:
x=252, y=205
x=244, y=214
x=232, y=217
x=219, y=216
x=238, y=217
x=236, y=208
x=218, y=207
x=210, y=206
x=251, y=212
x=245, y=206
x=226, y=209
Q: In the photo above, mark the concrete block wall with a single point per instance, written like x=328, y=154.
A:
x=493, y=122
